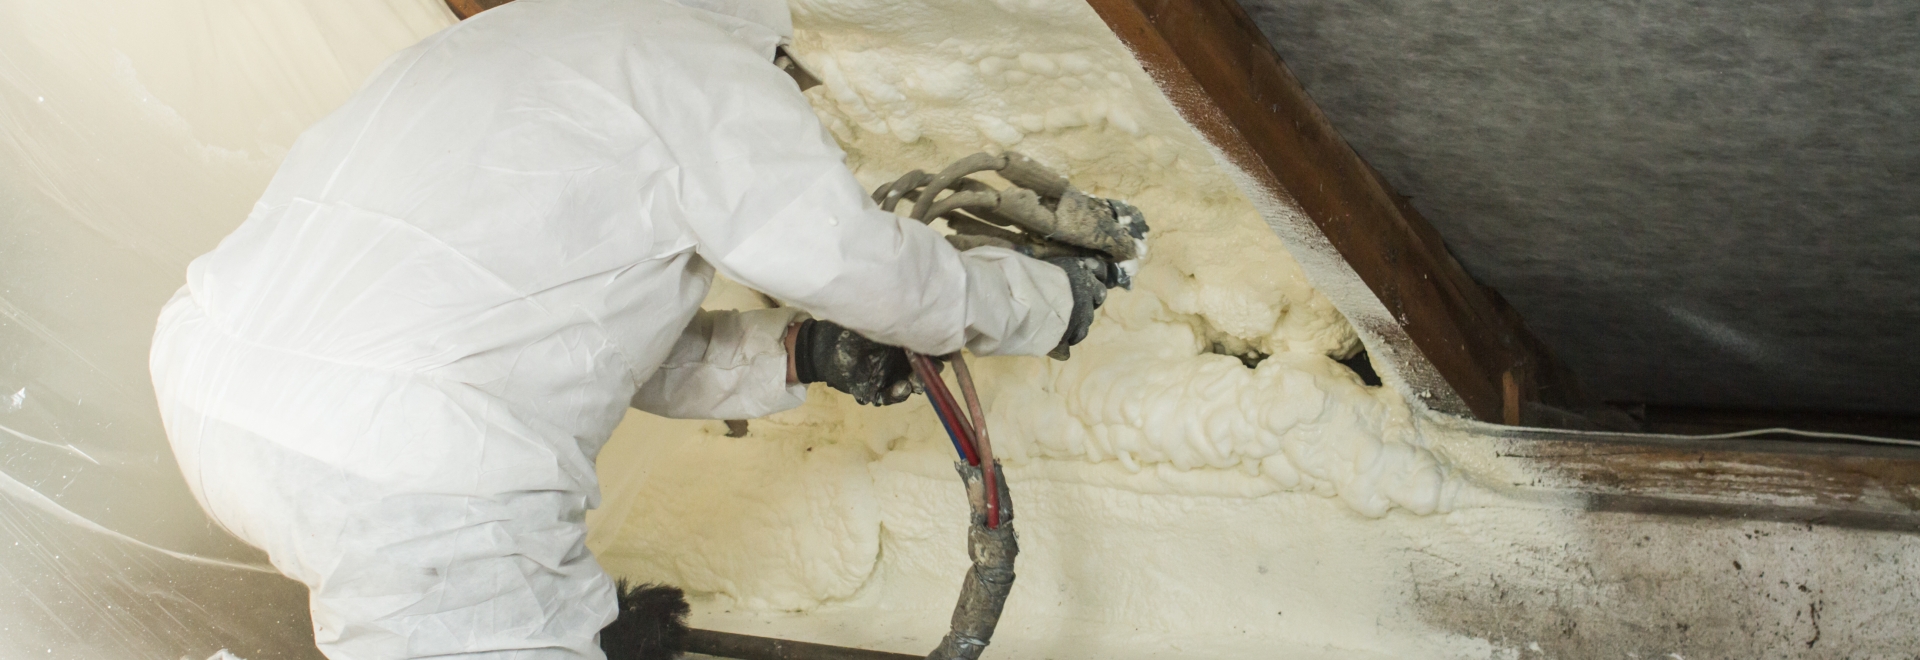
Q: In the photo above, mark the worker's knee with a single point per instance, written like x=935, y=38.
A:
x=419, y=575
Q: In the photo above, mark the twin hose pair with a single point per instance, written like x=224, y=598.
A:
x=1041, y=216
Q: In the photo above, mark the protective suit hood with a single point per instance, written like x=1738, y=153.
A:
x=771, y=15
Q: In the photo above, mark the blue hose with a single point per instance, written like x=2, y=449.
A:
x=952, y=433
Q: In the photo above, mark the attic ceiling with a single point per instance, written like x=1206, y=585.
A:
x=1698, y=203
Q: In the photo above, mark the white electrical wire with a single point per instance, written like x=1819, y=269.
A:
x=1499, y=430
x=1810, y=434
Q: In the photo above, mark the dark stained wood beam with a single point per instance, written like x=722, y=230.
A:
x=749, y=647
x=465, y=9
x=1453, y=342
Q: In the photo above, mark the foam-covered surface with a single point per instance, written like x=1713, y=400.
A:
x=1707, y=202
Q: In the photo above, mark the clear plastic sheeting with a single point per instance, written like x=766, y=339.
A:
x=133, y=135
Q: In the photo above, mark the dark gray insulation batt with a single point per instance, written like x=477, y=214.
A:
x=1702, y=203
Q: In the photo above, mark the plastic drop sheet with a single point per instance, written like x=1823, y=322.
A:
x=133, y=135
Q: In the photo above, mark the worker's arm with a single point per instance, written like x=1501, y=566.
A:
x=726, y=365
x=829, y=250
x=832, y=252
x=771, y=204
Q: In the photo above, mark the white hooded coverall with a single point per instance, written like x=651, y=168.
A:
x=395, y=375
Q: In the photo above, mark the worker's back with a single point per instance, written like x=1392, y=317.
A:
x=505, y=180
x=497, y=232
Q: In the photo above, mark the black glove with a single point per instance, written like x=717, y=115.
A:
x=1089, y=278
x=874, y=373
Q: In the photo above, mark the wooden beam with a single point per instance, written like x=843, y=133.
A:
x=465, y=9
x=748, y=647
x=1452, y=342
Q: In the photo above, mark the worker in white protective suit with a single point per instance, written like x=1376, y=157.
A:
x=395, y=375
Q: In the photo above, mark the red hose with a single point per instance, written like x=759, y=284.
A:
x=972, y=437
x=982, y=445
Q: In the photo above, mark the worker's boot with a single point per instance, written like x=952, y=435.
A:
x=652, y=624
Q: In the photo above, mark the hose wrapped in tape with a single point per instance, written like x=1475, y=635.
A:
x=990, y=578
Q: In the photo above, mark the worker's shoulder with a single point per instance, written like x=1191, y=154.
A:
x=569, y=30
x=639, y=57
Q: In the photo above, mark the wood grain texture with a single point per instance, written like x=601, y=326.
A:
x=1217, y=68
x=749, y=647
x=465, y=9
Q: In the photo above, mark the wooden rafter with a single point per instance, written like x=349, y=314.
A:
x=465, y=9
x=1450, y=341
